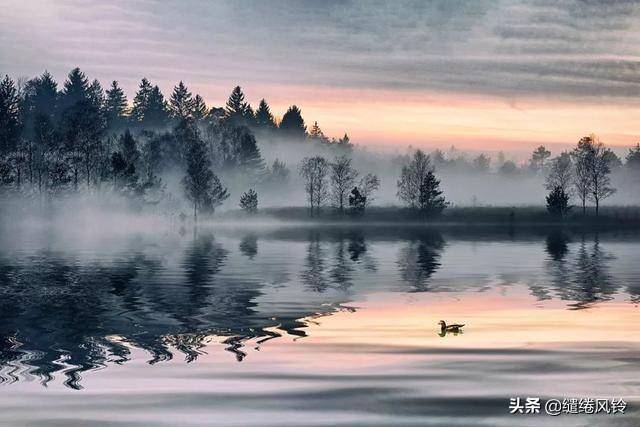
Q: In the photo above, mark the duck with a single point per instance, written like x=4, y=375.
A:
x=454, y=327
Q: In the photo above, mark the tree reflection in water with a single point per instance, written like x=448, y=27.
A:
x=65, y=312
x=582, y=276
x=420, y=258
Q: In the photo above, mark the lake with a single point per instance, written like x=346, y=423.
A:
x=302, y=325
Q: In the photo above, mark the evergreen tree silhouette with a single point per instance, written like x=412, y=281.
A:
x=181, y=103
x=263, y=117
x=9, y=115
x=115, y=106
x=236, y=107
x=141, y=101
x=199, y=108
x=292, y=124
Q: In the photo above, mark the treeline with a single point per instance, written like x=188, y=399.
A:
x=59, y=140
x=335, y=183
x=455, y=161
x=585, y=174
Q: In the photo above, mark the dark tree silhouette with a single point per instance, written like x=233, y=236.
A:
x=236, y=108
x=141, y=101
x=181, y=103
x=343, y=177
x=418, y=186
x=430, y=200
x=115, y=107
x=558, y=202
x=9, y=115
x=292, y=124
x=249, y=201
x=633, y=158
x=199, y=108
x=263, y=117
x=249, y=157
x=149, y=107
x=201, y=185
x=357, y=202
x=76, y=88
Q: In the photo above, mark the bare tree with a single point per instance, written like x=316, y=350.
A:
x=412, y=177
x=560, y=174
x=343, y=177
x=592, y=169
x=368, y=184
x=599, y=174
x=582, y=157
x=314, y=170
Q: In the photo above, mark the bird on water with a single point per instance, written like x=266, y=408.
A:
x=454, y=327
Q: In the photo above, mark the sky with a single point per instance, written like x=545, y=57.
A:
x=481, y=75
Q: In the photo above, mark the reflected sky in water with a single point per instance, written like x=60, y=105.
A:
x=339, y=321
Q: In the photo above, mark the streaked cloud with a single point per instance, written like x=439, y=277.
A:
x=573, y=51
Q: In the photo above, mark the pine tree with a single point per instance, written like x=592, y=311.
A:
x=141, y=101
x=430, y=199
x=115, y=107
x=156, y=114
x=199, y=108
x=249, y=117
x=202, y=187
x=9, y=115
x=263, y=117
x=129, y=148
x=96, y=95
x=249, y=201
x=82, y=125
x=181, y=103
x=41, y=98
x=633, y=159
x=249, y=157
x=76, y=88
x=316, y=134
x=418, y=186
x=292, y=124
x=236, y=107
x=215, y=196
x=558, y=202
x=125, y=166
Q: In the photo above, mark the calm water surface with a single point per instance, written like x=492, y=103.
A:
x=314, y=326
